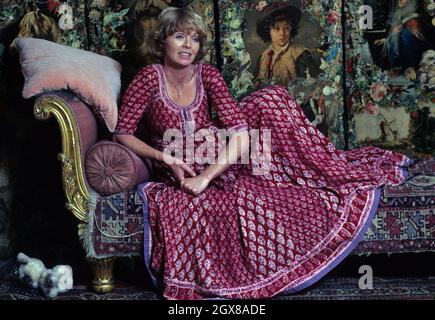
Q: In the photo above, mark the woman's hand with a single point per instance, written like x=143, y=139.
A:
x=194, y=186
x=178, y=169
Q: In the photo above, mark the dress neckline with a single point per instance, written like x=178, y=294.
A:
x=165, y=94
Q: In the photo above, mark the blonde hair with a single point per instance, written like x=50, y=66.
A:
x=170, y=21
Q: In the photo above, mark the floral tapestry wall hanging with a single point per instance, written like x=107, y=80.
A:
x=391, y=75
x=121, y=29
x=296, y=44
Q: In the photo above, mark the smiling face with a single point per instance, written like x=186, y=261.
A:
x=280, y=34
x=182, y=47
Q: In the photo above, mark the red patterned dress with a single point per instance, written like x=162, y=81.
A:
x=252, y=236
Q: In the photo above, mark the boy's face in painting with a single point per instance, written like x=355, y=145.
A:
x=402, y=3
x=280, y=34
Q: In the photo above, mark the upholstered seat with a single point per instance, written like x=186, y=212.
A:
x=111, y=220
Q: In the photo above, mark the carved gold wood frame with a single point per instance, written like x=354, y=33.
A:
x=74, y=184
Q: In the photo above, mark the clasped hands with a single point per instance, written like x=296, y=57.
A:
x=194, y=185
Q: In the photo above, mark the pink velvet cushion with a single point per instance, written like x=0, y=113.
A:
x=111, y=168
x=48, y=66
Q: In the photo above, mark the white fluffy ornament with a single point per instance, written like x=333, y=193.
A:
x=51, y=281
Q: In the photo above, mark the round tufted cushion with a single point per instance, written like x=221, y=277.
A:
x=111, y=168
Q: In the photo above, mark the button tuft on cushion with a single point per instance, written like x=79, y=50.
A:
x=108, y=172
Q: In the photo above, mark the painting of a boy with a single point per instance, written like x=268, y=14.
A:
x=283, y=61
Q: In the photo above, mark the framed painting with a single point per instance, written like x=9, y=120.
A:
x=296, y=44
x=60, y=21
x=390, y=67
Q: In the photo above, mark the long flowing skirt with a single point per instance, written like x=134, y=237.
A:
x=253, y=236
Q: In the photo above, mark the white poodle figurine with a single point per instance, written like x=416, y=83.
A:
x=50, y=281
x=30, y=269
x=56, y=280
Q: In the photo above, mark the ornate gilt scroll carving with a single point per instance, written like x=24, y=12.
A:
x=73, y=179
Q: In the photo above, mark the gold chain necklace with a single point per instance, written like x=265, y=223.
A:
x=173, y=84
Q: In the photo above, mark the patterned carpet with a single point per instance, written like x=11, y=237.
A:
x=329, y=289
x=383, y=289
x=336, y=286
x=405, y=219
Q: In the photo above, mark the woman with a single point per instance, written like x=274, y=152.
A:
x=219, y=229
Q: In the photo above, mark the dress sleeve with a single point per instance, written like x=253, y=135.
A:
x=135, y=101
x=229, y=114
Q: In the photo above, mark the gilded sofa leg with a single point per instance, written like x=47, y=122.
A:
x=102, y=270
